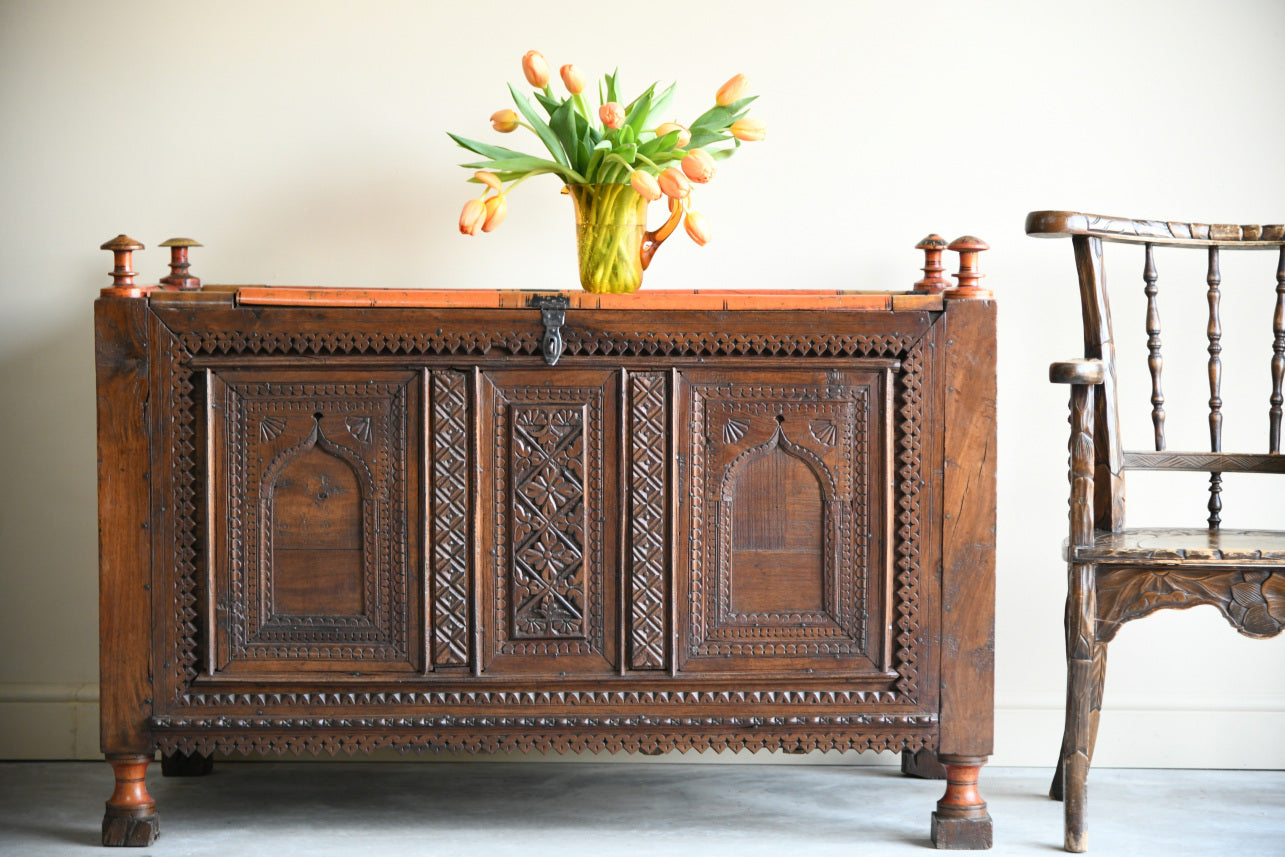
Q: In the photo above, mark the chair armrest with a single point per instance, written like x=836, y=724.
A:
x=1082, y=371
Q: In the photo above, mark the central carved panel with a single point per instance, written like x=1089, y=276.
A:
x=551, y=592
x=548, y=584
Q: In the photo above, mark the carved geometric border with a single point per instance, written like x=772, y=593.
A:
x=648, y=490
x=909, y=518
x=450, y=518
x=636, y=342
x=182, y=458
x=577, y=342
x=628, y=733
x=543, y=698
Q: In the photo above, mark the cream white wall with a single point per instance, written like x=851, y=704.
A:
x=305, y=143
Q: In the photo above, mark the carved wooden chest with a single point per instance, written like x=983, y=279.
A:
x=336, y=519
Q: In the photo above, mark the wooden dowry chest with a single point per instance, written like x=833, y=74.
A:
x=478, y=520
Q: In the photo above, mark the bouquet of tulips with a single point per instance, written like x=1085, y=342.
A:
x=632, y=143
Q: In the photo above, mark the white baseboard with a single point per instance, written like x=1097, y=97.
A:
x=49, y=721
x=60, y=721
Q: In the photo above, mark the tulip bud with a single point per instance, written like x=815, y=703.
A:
x=612, y=114
x=472, y=217
x=536, y=69
x=645, y=184
x=749, y=130
x=697, y=228
x=504, y=121
x=733, y=90
x=572, y=79
x=684, y=136
x=698, y=166
x=496, y=209
x=674, y=184
x=489, y=179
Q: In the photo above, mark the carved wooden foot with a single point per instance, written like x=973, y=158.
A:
x=922, y=764
x=182, y=764
x=961, y=820
x=131, y=813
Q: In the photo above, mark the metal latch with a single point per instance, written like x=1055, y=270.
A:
x=553, y=314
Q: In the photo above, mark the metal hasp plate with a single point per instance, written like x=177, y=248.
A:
x=553, y=314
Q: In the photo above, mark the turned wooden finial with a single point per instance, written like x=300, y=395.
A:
x=968, y=247
x=123, y=247
x=933, y=282
x=179, y=277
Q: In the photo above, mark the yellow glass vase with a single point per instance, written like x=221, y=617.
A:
x=612, y=241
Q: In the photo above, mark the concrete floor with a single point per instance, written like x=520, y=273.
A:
x=307, y=808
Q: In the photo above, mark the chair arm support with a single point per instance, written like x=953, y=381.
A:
x=1081, y=371
x=1084, y=377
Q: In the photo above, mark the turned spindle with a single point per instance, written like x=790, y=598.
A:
x=969, y=274
x=180, y=277
x=933, y=282
x=123, y=274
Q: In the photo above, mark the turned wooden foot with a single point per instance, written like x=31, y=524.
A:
x=922, y=764
x=961, y=820
x=131, y=813
x=182, y=764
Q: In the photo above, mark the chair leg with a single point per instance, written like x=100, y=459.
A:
x=1080, y=694
x=1095, y=715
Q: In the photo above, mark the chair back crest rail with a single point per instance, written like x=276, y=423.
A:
x=1111, y=460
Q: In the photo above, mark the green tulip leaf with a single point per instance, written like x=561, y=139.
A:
x=541, y=129
x=562, y=123
x=486, y=150
x=654, y=146
x=638, y=110
x=660, y=106
x=548, y=102
x=721, y=117
x=613, y=89
x=724, y=154
x=702, y=137
x=525, y=164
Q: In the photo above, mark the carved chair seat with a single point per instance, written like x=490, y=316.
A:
x=1116, y=575
x=1156, y=547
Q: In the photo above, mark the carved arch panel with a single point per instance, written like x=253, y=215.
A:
x=314, y=496
x=789, y=565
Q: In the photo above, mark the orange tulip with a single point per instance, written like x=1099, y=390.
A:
x=496, y=209
x=733, y=90
x=698, y=166
x=697, y=228
x=489, y=179
x=674, y=184
x=684, y=136
x=504, y=121
x=536, y=69
x=612, y=114
x=572, y=79
x=472, y=217
x=645, y=184
x=749, y=130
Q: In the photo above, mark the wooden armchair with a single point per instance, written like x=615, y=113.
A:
x=1117, y=574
